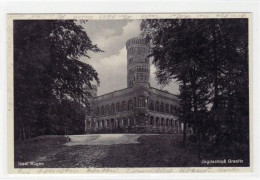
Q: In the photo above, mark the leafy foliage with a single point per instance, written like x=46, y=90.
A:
x=209, y=58
x=49, y=76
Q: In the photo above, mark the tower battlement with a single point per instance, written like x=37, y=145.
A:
x=135, y=40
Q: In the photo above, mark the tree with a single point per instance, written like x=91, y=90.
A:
x=47, y=71
x=176, y=52
x=204, y=56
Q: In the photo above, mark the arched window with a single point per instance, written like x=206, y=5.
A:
x=103, y=124
x=123, y=106
x=97, y=111
x=167, y=122
x=107, y=110
x=157, y=122
x=151, y=105
x=172, y=109
x=117, y=107
x=162, y=107
x=112, y=109
x=167, y=108
x=130, y=105
x=108, y=123
x=151, y=121
x=102, y=110
x=124, y=122
x=157, y=106
x=175, y=124
x=162, y=122
x=141, y=101
x=131, y=121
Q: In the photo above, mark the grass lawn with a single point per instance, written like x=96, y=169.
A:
x=152, y=151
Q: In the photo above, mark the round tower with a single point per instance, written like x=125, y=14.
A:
x=138, y=68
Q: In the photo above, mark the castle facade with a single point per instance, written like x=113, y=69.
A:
x=139, y=108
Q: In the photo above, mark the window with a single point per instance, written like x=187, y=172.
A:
x=87, y=123
x=162, y=122
x=167, y=108
x=130, y=105
x=131, y=121
x=162, y=107
x=141, y=101
x=107, y=110
x=157, y=122
x=175, y=124
x=157, y=106
x=112, y=108
x=151, y=105
x=123, y=106
x=118, y=107
x=172, y=109
x=97, y=111
x=167, y=122
x=102, y=110
x=151, y=121
x=124, y=122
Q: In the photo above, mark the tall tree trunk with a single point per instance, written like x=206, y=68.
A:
x=195, y=106
x=184, y=134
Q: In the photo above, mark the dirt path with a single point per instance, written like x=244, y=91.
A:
x=103, y=139
x=86, y=150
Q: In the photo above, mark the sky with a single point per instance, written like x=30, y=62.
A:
x=111, y=65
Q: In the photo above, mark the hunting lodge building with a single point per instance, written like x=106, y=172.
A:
x=138, y=108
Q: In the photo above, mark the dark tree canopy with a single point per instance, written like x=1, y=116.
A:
x=209, y=59
x=48, y=74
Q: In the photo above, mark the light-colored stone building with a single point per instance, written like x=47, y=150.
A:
x=139, y=108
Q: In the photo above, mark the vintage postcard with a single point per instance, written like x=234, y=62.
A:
x=129, y=93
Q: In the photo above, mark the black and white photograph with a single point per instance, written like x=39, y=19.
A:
x=113, y=92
